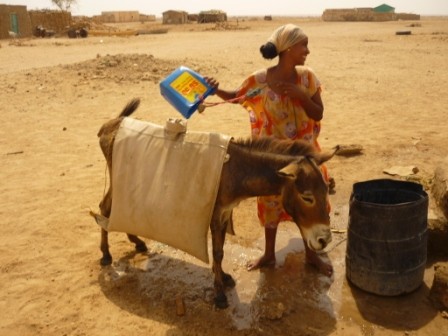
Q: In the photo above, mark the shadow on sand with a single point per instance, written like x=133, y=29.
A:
x=290, y=299
x=406, y=312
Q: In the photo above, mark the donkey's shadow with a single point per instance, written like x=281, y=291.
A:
x=150, y=285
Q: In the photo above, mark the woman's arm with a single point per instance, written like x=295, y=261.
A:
x=226, y=95
x=313, y=106
x=223, y=94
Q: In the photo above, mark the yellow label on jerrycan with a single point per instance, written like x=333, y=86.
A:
x=185, y=90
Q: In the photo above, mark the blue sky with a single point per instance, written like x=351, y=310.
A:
x=240, y=7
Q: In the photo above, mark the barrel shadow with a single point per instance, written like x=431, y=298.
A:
x=405, y=312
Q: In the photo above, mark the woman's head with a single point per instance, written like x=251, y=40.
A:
x=282, y=39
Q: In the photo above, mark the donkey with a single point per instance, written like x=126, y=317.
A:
x=257, y=167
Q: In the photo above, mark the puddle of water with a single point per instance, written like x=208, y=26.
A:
x=291, y=292
x=292, y=287
x=273, y=293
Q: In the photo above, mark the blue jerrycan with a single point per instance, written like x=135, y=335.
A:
x=185, y=89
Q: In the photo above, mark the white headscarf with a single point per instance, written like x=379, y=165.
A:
x=286, y=36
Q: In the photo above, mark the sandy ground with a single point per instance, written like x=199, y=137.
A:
x=383, y=91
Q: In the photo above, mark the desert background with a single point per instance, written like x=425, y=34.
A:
x=382, y=91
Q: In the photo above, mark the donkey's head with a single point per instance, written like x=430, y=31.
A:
x=305, y=199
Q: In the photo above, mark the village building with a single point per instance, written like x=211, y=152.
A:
x=123, y=16
x=14, y=19
x=380, y=13
x=212, y=16
x=119, y=16
x=174, y=17
x=51, y=20
x=17, y=21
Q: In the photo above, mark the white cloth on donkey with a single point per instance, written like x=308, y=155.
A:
x=165, y=182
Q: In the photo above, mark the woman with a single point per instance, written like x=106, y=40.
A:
x=283, y=101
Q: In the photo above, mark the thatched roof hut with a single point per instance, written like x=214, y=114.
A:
x=212, y=16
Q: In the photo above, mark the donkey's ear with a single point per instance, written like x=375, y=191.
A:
x=322, y=157
x=291, y=170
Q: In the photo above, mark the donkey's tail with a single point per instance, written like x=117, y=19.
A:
x=130, y=107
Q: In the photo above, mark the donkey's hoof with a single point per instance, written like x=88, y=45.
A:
x=228, y=280
x=221, y=301
x=141, y=247
x=106, y=260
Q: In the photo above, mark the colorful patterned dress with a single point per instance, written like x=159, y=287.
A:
x=282, y=117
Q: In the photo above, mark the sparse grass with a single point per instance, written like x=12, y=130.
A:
x=20, y=43
x=152, y=31
x=60, y=44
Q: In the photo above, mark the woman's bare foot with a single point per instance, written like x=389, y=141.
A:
x=312, y=258
x=264, y=261
x=268, y=258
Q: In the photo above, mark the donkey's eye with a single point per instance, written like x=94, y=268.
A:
x=307, y=197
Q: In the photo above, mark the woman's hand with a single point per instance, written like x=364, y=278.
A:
x=212, y=83
x=291, y=90
x=313, y=106
x=223, y=94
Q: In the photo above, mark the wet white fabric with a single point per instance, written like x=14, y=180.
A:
x=286, y=36
x=165, y=185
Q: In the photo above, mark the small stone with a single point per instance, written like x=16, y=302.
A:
x=439, y=289
x=349, y=150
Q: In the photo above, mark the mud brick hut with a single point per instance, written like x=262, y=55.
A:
x=147, y=17
x=54, y=20
x=174, y=17
x=380, y=13
x=14, y=19
x=212, y=16
x=193, y=17
x=356, y=14
x=119, y=16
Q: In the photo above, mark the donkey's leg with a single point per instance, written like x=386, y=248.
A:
x=105, y=207
x=107, y=257
x=314, y=259
x=140, y=245
x=218, y=254
x=227, y=278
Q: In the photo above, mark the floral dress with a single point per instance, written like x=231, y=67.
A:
x=282, y=117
